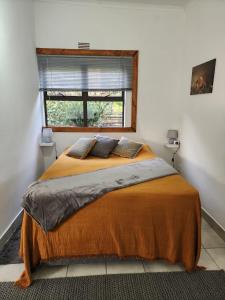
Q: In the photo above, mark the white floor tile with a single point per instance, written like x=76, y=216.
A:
x=162, y=266
x=218, y=255
x=210, y=239
x=87, y=269
x=206, y=261
x=44, y=272
x=11, y=272
x=121, y=267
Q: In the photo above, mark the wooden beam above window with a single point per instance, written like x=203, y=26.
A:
x=88, y=52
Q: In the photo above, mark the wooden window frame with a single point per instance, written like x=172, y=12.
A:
x=131, y=53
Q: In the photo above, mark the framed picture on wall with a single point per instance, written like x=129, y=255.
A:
x=203, y=78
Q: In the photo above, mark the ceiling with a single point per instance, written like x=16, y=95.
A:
x=153, y=2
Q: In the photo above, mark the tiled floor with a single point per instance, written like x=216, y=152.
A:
x=212, y=257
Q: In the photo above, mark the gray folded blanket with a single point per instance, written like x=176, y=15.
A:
x=52, y=201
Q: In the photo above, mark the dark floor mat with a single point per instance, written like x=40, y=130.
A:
x=10, y=252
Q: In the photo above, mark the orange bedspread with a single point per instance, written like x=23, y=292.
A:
x=152, y=220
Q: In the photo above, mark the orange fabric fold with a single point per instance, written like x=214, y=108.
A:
x=158, y=219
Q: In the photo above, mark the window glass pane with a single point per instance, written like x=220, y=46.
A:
x=105, y=94
x=65, y=113
x=64, y=93
x=105, y=114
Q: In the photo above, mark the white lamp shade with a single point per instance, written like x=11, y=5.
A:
x=172, y=134
x=47, y=135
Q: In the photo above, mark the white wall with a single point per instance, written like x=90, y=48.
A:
x=203, y=121
x=155, y=31
x=20, y=111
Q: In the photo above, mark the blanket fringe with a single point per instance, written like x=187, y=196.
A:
x=24, y=281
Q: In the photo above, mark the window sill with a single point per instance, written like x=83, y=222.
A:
x=92, y=129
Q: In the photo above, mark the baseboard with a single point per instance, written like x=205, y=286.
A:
x=10, y=230
x=214, y=224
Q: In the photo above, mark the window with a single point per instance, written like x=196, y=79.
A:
x=88, y=90
x=84, y=109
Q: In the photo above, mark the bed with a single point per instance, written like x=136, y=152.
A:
x=158, y=219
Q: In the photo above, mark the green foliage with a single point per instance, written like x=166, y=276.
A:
x=60, y=113
x=70, y=113
x=97, y=112
x=118, y=107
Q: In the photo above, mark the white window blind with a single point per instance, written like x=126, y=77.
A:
x=63, y=72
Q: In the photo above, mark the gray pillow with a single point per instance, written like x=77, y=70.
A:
x=103, y=146
x=82, y=147
x=127, y=148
